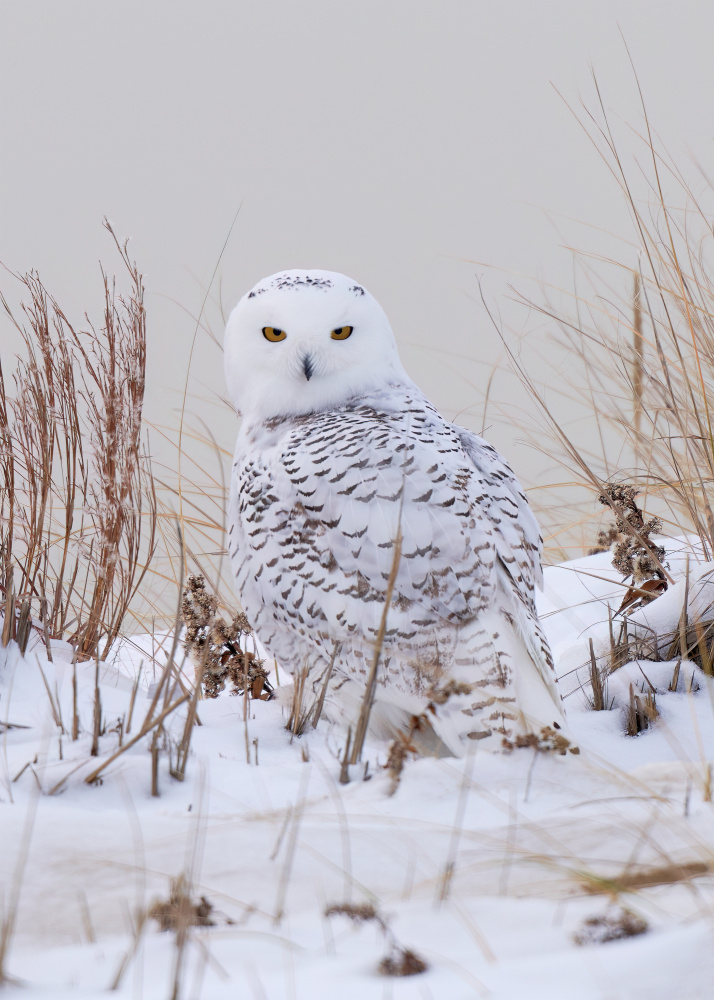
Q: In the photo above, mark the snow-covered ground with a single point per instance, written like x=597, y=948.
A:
x=533, y=843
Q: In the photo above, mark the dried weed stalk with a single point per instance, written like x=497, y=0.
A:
x=371, y=684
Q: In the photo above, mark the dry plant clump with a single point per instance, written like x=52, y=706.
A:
x=358, y=913
x=179, y=911
x=690, y=642
x=214, y=646
x=399, y=961
x=548, y=740
x=77, y=496
x=402, y=962
x=616, y=924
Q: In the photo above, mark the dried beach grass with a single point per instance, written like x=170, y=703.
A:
x=632, y=880
x=639, y=352
x=78, y=501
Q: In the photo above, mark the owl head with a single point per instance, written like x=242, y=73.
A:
x=307, y=340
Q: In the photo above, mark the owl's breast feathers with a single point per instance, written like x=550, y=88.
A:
x=318, y=501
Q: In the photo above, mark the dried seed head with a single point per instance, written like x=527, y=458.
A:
x=214, y=646
x=634, y=553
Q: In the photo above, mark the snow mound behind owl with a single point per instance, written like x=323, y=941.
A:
x=339, y=454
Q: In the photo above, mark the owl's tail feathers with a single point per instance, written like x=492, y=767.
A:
x=395, y=715
x=530, y=632
x=502, y=684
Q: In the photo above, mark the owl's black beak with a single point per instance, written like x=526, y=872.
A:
x=307, y=366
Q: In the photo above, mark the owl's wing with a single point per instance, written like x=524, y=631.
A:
x=516, y=533
x=519, y=546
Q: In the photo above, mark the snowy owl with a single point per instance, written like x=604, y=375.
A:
x=340, y=463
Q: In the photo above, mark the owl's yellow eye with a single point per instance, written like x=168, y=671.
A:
x=273, y=334
x=341, y=333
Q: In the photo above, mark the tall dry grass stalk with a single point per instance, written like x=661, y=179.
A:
x=371, y=683
x=638, y=366
x=78, y=509
x=646, y=361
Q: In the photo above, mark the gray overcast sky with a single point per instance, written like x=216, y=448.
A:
x=388, y=140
